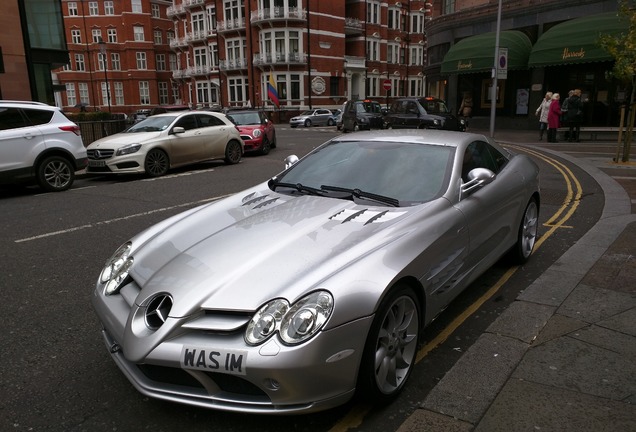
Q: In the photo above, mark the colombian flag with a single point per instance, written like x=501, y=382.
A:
x=271, y=91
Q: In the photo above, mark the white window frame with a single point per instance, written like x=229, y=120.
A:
x=93, y=8
x=83, y=93
x=135, y=6
x=115, y=61
x=119, y=93
x=138, y=33
x=161, y=62
x=71, y=97
x=109, y=7
x=72, y=9
x=144, y=93
x=111, y=35
x=142, y=61
x=76, y=36
x=96, y=34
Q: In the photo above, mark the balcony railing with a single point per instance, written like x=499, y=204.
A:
x=232, y=24
x=175, y=10
x=277, y=14
x=196, y=36
x=199, y=70
x=279, y=58
x=353, y=26
x=227, y=65
x=178, y=42
x=192, y=3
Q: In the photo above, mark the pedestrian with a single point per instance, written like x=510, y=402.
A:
x=554, y=118
x=466, y=107
x=574, y=115
x=542, y=113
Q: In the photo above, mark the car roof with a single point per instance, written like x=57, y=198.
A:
x=417, y=136
x=22, y=104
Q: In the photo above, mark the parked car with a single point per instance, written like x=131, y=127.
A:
x=361, y=115
x=294, y=294
x=315, y=117
x=257, y=131
x=165, y=141
x=39, y=143
x=422, y=113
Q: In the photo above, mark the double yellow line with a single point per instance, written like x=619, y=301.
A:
x=570, y=203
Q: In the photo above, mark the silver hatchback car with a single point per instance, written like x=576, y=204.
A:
x=315, y=117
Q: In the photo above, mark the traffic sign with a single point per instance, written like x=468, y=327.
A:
x=386, y=84
x=502, y=64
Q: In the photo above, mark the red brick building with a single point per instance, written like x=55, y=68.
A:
x=129, y=37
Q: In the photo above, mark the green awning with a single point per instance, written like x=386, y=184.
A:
x=576, y=41
x=476, y=53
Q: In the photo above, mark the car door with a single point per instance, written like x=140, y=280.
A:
x=19, y=141
x=397, y=114
x=215, y=134
x=411, y=115
x=491, y=211
x=187, y=146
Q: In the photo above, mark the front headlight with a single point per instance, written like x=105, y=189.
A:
x=127, y=149
x=437, y=122
x=257, y=133
x=294, y=324
x=116, y=269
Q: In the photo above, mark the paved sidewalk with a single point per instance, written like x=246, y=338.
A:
x=562, y=357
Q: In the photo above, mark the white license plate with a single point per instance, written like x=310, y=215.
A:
x=214, y=360
x=96, y=163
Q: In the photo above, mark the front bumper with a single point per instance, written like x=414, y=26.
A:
x=127, y=164
x=278, y=379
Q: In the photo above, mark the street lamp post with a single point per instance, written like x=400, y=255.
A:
x=102, y=50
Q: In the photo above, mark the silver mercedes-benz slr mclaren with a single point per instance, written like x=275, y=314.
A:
x=295, y=294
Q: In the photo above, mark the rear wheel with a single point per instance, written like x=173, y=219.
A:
x=157, y=163
x=527, y=234
x=233, y=152
x=55, y=174
x=389, y=353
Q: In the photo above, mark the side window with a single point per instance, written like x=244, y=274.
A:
x=10, y=118
x=480, y=154
x=208, y=120
x=411, y=108
x=188, y=122
x=38, y=117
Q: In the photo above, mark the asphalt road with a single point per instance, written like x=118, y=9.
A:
x=55, y=373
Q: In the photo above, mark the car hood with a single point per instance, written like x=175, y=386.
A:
x=241, y=252
x=121, y=139
x=248, y=128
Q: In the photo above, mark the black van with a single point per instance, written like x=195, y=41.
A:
x=422, y=113
x=362, y=114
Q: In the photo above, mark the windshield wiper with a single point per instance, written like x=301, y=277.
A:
x=364, y=195
x=273, y=184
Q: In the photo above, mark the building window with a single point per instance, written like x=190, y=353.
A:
x=394, y=19
x=175, y=93
x=211, y=16
x=115, y=62
x=203, y=93
x=163, y=93
x=92, y=8
x=71, y=99
x=238, y=89
x=200, y=57
x=142, y=63
x=72, y=9
x=158, y=37
x=100, y=62
x=373, y=12
x=119, y=93
x=417, y=56
x=173, y=62
x=233, y=9
x=417, y=23
x=373, y=50
x=334, y=86
x=392, y=50
x=109, y=8
x=169, y=37
x=83, y=93
x=79, y=63
x=144, y=93
x=139, y=33
x=97, y=35
x=280, y=45
x=214, y=55
x=161, y=62
x=155, y=11
x=136, y=6
x=449, y=7
x=235, y=51
x=197, y=21
x=76, y=36
x=112, y=35
x=105, y=87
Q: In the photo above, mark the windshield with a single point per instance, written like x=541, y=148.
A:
x=409, y=173
x=242, y=119
x=152, y=124
x=434, y=106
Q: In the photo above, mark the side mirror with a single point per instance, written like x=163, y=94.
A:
x=291, y=160
x=477, y=178
x=178, y=130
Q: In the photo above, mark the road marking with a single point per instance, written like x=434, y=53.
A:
x=109, y=221
x=571, y=201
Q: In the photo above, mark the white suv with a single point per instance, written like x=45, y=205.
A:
x=38, y=142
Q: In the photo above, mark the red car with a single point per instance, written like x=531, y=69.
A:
x=257, y=131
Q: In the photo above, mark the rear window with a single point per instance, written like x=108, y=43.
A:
x=434, y=106
x=38, y=117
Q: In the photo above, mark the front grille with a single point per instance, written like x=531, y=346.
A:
x=100, y=154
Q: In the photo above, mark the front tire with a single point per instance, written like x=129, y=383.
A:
x=389, y=353
x=157, y=163
x=233, y=153
x=55, y=174
x=527, y=234
x=265, y=147
x=307, y=123
x=331, y=122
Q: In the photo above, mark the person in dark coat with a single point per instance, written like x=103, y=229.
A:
x=574, y=116
x=554, y=118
